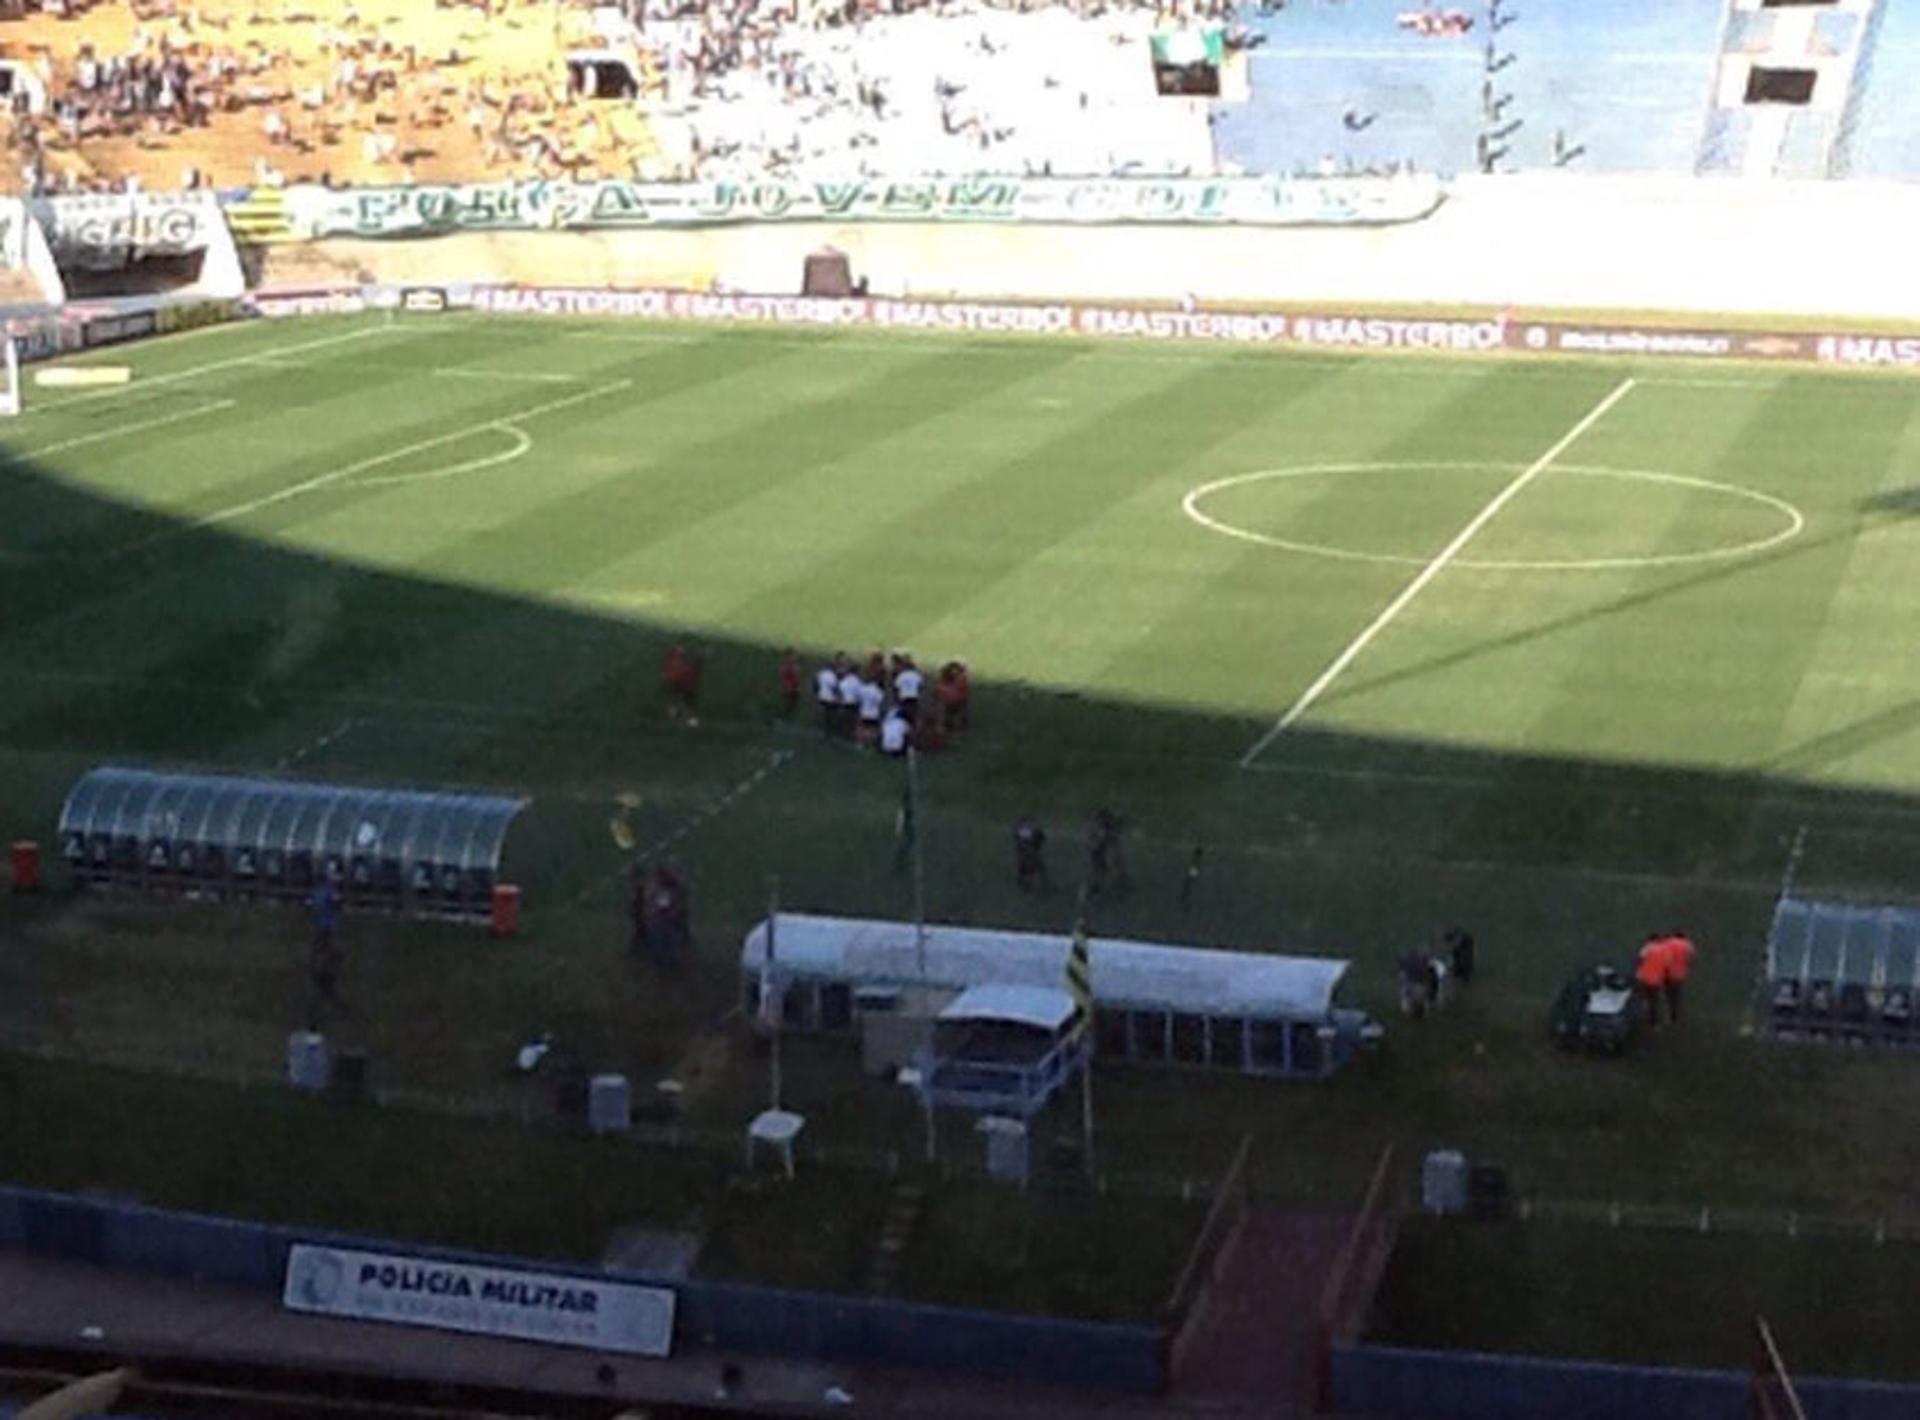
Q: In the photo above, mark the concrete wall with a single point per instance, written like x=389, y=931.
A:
x=731, y=1316
x=1388, y=1381
x=1554, y=240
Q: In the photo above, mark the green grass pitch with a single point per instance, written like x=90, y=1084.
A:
x=450, y=550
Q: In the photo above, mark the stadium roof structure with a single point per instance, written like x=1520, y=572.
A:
x=1845, y=943
x=1127, y=975
x=1044, y=1008
x=429, y=850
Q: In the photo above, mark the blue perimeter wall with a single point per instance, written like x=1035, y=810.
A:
x=731, y=1316
x=1462, y=1385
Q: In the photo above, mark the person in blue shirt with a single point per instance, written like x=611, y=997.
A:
x=325, y=957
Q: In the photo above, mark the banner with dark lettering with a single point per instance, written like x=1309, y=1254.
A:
x=489, y=1301
x=1298, y=329
x=306, y=212
x=105, y=231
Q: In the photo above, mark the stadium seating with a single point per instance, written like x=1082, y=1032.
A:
x=364, y=91
x=1843, y=971
x=1615, y=87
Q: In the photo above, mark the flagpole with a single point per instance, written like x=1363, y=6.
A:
x=767, y=983
x=1086, y=1066
x=1080, y=984
x=919, y=865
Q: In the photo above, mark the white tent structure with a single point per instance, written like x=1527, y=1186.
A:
x=1250, y=1012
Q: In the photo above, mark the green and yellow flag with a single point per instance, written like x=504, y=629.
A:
x=1080, y=972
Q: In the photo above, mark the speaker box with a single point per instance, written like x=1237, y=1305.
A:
x=829, y=274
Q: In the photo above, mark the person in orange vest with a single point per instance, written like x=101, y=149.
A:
x=1677, y=959
x=1650, y=975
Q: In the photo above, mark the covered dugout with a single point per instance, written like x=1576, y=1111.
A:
x=422, y=852
x=1251, y=1012
x=1843, y=969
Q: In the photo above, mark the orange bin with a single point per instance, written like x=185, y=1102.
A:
x=26, y=866
x=505, y=918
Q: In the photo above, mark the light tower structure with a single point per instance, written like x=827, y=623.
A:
x=1785, y=94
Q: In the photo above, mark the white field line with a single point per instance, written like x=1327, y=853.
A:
x=465, y=372
x=480, y=372
x=687, y=826
x=522, y=442
x=309, y=750
x=1433, y=569
x=323, y=480
x=194, y=371
x=138, y=426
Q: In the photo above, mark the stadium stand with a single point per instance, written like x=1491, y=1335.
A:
x=175, y=95
x=1620, y=87
x=260, y=92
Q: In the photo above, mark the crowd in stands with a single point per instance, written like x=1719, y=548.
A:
x=263, y=91
x=919, y=86
x=269, y=90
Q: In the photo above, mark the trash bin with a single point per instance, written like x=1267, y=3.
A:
x=309, y=1066
x=504, y=920
x=609, y=1104
x=26, y=866
x=1443, y=1182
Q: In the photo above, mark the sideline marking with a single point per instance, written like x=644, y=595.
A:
x=332, y=476
x=196, y=370
x=466, y=372
x=522, y=441
x=688, y=825
x=1431, y=570
x=1796, y=520
x=309, y=750
x=138, y=426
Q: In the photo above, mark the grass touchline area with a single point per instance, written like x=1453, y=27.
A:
x=327, y=563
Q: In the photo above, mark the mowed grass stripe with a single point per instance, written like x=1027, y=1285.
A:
x=1754, y=657
x=584, y=453
x=836, y=568
x=1137, y=563
x=541, y=552
x=175, y=571
x=280, y=421
x=1854, y=717
x=934, y=557
x=1261, y=621
x=808, y=414
x=1693, y=669
x=269, y=633
x=1483, y=653
x=1314, y=607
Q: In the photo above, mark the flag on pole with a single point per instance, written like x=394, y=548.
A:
x=1080, y=972
x=906, y=825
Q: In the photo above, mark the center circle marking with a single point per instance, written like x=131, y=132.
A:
x=1795, y=520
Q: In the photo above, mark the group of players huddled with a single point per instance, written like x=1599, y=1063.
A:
x=886, y=704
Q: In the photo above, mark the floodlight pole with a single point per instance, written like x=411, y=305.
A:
x=769, y=982
x=919, y=865
x=1086, y=1051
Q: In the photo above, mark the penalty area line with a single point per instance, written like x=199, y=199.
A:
x=504, y=424
x=1311, y=695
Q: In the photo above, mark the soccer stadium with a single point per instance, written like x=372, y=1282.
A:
x=937, y=708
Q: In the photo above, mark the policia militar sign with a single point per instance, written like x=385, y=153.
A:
x=488, y=1301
